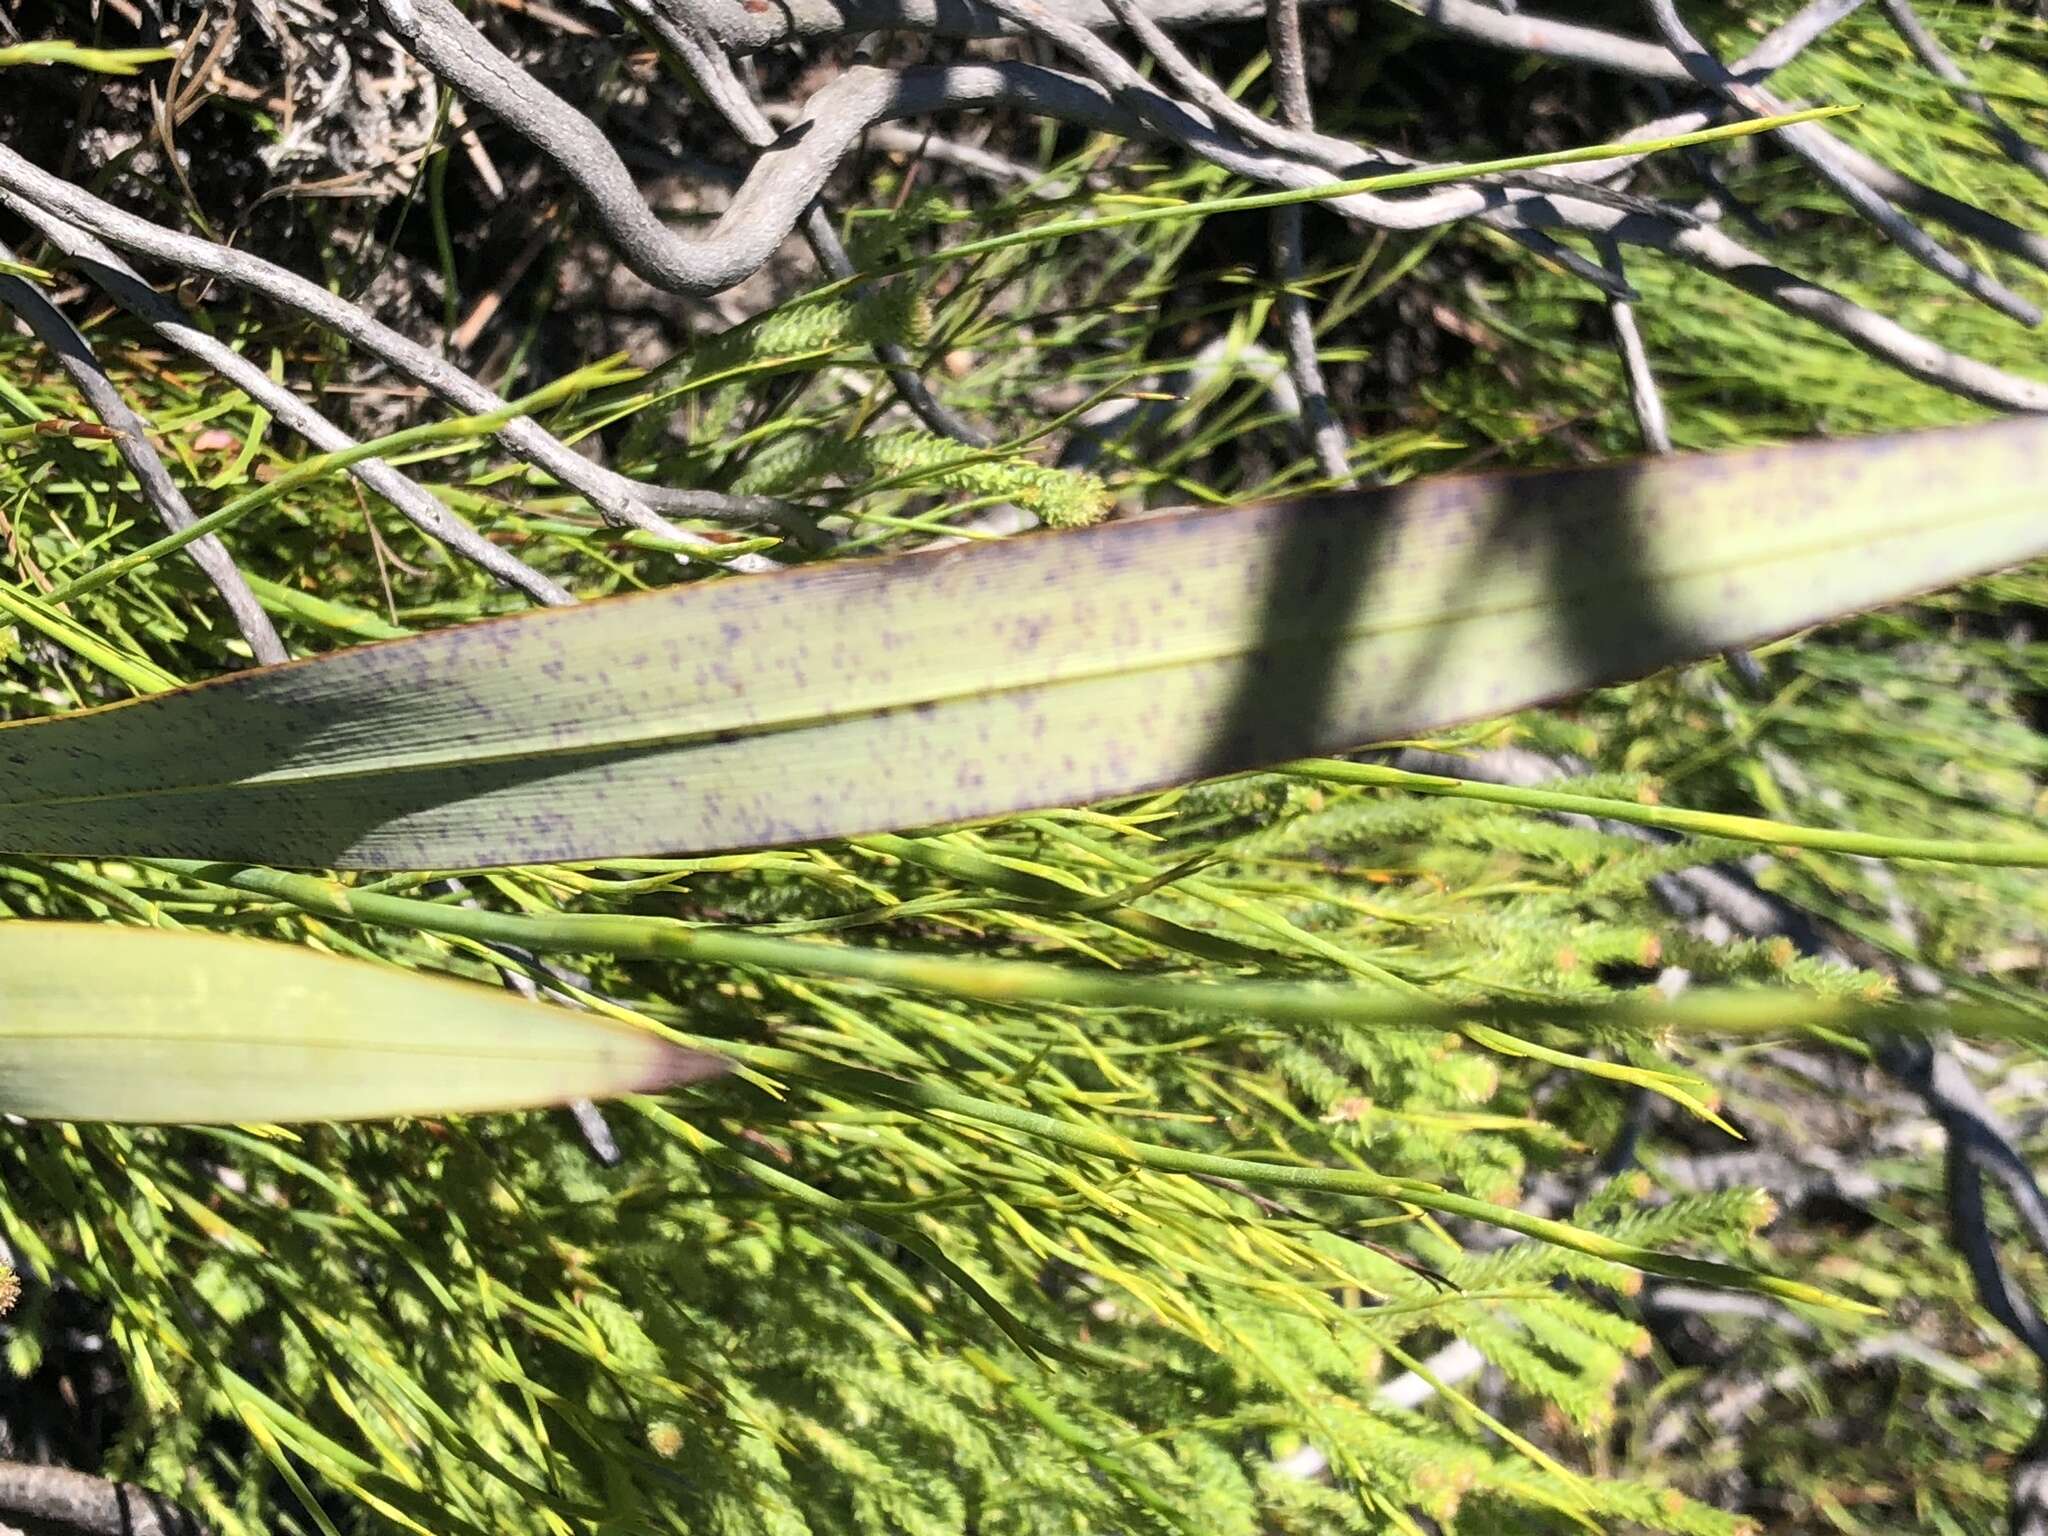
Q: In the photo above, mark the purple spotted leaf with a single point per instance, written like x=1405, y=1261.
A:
x=853, y=697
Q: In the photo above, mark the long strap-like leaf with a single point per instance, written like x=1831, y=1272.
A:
x=852, y=697
x=141, y=1025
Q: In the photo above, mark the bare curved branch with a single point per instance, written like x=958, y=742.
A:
x=1817, y=147
x=714, y=75
x=622, y=500
x=1930, y=52
x=59, y=1499
x=1327, y=437
x=131, y=440
x=1709, y=250
x=739, y=29
x=121, y=283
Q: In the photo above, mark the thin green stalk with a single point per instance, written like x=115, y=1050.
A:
x=2016, y=854
x=1395, y=181
x=41, y=614
x=103, y=61
x=973, y=868
x=1703, y=1011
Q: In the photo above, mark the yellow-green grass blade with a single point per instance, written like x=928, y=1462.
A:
x=2006, y=853
x=146, y=1026
x=855, y=697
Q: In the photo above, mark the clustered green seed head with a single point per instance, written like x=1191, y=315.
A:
x=803, y=330
x=898, y=314
x=884, y=235
x=1060, y=498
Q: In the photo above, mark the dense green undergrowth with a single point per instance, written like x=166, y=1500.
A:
x=795, y=1308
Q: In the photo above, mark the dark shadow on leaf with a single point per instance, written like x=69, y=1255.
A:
x=1568, y=550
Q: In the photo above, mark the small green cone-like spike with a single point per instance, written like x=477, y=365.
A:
x=145, y=1026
